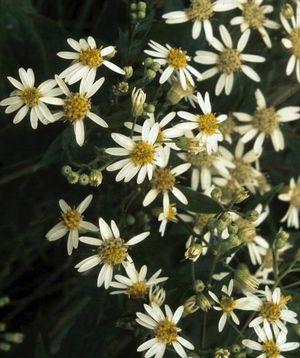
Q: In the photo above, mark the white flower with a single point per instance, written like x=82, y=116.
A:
x=200, y=12
x=257, y=245
x=157, y=295
x=164, y=181
x=71, y=222
x=265, y=122
x=227, y=305
x=269, y=346
x=28, y=98
x=272, y=310
x=176, y=60
x=292, y=43
x=77, y=105
x=86, y=59
x=253, y=17
x=207, y=123
x=112, y=251
x=293, y=197
x=141, y=155
x=135, y=286
x=166, y=331
x=243, y=174
x=165, y=135
x=229, y=61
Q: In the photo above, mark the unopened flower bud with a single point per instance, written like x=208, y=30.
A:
x=141, y=15
x=149, y=108
x=138, y=97
x=193, y=252
x=216, y=194
x=157, y=295
x=148, y=62
x=190, y=306
x=221, y=225
x=84, y=179
x=155, y=66
x=73, y=178
x=212, y=223
x=133, y=7
x=244, y=280
x=236, y=348
x=297, y=256
x=228, y=244
x=240, y=195
x=66, y=170
x=241, y=355
x=281, y=239
x=203, y=302
x=130, y=219
x=128, y=72
x=121, y=88
x=96, y=177
x=150, y=75
x=133, y=16
x=252, y=215
x=232, y=229
x=4, y=300
x=199, y=286
x=14, y=337
x=287, y=11
x=2, y=327
x=177, y=93
x=141, y=6
x=222, y=353
x=5, y=346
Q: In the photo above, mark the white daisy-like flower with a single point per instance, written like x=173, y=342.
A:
x=77, y=105
x=176, y=61
x=244, y=173
x=166, y=331
x=71, y=222
x=200, y=12
x=268, y=346
x=293, y=197
x=142, y=155
x=292, y=43
x=164, y=181
x=253, y=17
x=227, y=304
x=86, y=59
x=204, y=166
x=165, y=135
x=207, y=123
x=229, y=61
x=272, y=310
x=256, y=244
x=29, y=98
x=112, y=251
x=135, y=286
x=265, y=122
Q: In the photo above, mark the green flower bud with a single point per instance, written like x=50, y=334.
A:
x=84, y=179
x=287, y=11
x=141, y=15
x=212, y=224
x=232, y=229
x=150, y=74
x=128, y=72
x=221, y=225
x=203, y=302
x=133, y=16
x=130, y=219
x=141, y=6
x=73, y=178
x=96, y=177
x=281, y=239
x=236, y=348
x=149, y=108
x=4, y=300
x=190, y=306
x=133, y=7
x=244, y=280
x=241, y=355
x=138, y=97
x=2, y=327
x=5, y=346
x=193, y=252
x=199, y=286
x=240, y=195
x=227, y=218
x=148, y=62
x=14, y=337
x=222, y=353
x=252, y=215
x=297, y=256
x=155, y=66
x=66, y=170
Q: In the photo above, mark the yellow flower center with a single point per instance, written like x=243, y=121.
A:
x=143, y=153
x=91, y=57
x=202, y=220
x=171, y=214
x=271, y=349
x=243, y=172
x=202, y=159
x=229, y=61
x=160, y=137
x=71, y=219
x=113, y=251
x=138, y=290
x=31, y=96
x=272, y=311
x=163, y=179
x=200, y=10
x=167, y=332
x=266, y=120
x=247, y=231
x=177, y=58
x=295, y=40
x=253, y=15
x=227, y=304
x=76, y=107
x=208, y=124
x=295, y=198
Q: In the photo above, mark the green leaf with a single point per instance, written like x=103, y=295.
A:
x=264, y=199
x=199, y=203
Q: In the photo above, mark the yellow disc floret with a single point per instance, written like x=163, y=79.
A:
x=76, y=107
x=271, y=349
x=91, y=57
x=138, y=290
x=71, y=219
x=295, y=40
x=266, y=120
x=163, y=179
x=31, y=96
x=200, y=10
x=229, y=61
x=208, y=124
x=177, y=58
x=227, y=304
x=143, y=153
x=253, y=15
x=167, y=332
x=113, y=251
